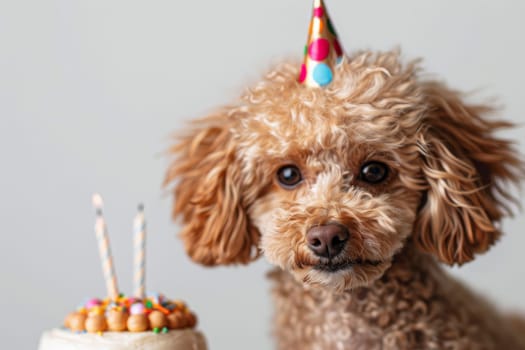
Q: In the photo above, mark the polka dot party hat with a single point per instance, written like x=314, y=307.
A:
x=322, y=52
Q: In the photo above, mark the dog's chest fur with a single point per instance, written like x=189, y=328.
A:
x=415, y=305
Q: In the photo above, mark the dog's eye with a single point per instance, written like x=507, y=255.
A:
x=289, y=176
x=373, y=172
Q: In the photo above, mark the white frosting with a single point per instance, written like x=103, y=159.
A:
x=60, y=339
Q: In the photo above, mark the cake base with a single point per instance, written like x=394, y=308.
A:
x=61, y=339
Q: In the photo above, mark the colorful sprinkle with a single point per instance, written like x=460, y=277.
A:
x=168, y=305
x=93, y=302
x=162, y=309
x=96, y=310
x=137, y=309
x=156, y=330
x=149, y=304
x=322, y=74
x=165, y=330
x=319, y=49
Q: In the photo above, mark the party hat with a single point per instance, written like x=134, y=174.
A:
x=322, y=52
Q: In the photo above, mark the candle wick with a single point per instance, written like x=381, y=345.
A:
x=98, y=211
x=141, y=207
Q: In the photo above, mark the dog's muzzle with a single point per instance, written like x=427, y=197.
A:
x=327, y=241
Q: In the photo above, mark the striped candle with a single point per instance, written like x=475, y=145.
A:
x=104, y=249
x=139, y=228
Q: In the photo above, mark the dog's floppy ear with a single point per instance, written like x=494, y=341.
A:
x=208, y=195
x=465, y=168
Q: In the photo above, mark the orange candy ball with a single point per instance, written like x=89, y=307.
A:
x=157, y=320
x=191, y=319
x=138, y=323
x=96, y=323
x=117, y=320
x=77, y=322
x=176, y=320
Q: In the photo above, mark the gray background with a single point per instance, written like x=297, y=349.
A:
x=91, y=90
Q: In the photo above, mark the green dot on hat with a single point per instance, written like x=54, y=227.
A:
x=331, y=27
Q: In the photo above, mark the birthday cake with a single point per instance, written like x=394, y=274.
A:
x=151, y=322
x=154, y=323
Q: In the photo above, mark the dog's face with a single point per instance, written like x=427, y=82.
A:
x=340, y=198
x=330, y=183
x=341, y=179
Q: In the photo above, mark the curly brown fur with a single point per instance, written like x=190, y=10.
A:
x=445, y=194
x=414, y=305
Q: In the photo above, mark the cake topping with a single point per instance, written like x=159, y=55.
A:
x=136, y=313
x=96, y=323
x=157, y=320
x=76, y=321
x=137, y=309
x=92, y=303
x=117, y=319
x=131, y=314
x=138, y=323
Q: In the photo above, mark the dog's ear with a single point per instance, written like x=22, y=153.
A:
x=209, y=196
x=466, y=169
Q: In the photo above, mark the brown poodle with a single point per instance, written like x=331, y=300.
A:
x=356, y=192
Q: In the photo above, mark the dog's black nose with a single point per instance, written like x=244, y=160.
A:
x=327, y=240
